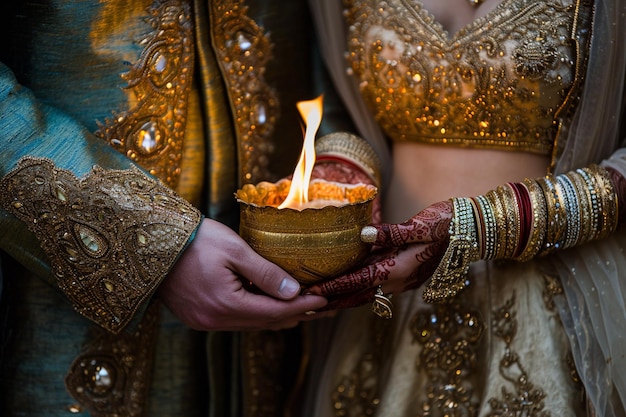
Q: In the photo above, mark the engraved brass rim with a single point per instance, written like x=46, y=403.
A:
x=312, y=244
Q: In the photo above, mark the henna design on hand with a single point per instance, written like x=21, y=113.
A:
x=358, y=287
x=375, y=273
x=429, y=225
x=353, y=300
x=412, y=253
x=428, y=261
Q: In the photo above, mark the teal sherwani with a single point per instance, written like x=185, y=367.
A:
x=199, y=95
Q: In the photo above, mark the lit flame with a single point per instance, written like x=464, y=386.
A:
x=311, y=112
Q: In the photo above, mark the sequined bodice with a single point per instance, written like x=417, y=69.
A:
x=505, y=81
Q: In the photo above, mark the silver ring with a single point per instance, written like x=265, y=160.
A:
x=369, y=234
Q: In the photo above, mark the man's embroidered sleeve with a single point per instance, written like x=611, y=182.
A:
x=80, y=214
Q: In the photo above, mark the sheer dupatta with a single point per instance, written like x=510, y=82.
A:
x=593, y=308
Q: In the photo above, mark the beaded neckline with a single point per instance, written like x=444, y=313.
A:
x=499, y=82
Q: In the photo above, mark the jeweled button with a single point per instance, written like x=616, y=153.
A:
x=243, y=42
x=148, y=138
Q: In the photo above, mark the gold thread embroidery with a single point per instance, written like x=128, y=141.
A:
x=553, y=287
x=526, y=399
x=497, y=83
x=450, y=335
x=450, y=339
x=243, y=52
x=110, y=237
x=110, y=377
x=152, y=132
x=357, y=394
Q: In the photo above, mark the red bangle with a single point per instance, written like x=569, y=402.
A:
x=348, y=162
x=522, y=197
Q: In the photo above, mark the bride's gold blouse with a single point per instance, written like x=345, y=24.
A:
x=457, y=92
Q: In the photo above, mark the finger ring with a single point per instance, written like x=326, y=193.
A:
x=382, y=305
x=369, y=234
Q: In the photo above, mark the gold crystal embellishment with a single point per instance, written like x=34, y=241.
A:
x=519, y=396
x=109, y=377
x=357, y=393
x=496, y=83
x=152, y=132
x=111, y=237
x=244, y=50
x=450, y=335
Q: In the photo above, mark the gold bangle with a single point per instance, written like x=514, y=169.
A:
x=511, y=209
x=572, y=208
x=557, y=221
x=584, y=204
x=489, y=227
x=595, y=203
x=358, y=151
x=608, y=199
x=480, y=228
x=501, y=224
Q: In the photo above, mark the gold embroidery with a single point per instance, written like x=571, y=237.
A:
x=152, y=132
x=243, y=52
x=111, y=237
x=357, y=394
x=553, y=287
x=573, y=372
x=450, y=338
x=497, y=83
x=110, y=377
x=526, y=400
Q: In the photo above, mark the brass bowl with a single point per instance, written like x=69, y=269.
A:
x=312, y=244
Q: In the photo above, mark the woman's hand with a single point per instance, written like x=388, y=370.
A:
x=220, y=283
x=404, y=256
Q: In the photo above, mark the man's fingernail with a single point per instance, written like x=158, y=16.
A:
x=289, y=287
x=369, y=234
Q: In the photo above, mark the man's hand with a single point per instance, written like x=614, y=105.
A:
x=208, y=288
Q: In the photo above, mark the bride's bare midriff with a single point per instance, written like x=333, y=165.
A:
x=425, y=174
